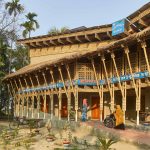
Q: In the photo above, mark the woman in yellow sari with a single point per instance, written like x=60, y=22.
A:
x=119, y=118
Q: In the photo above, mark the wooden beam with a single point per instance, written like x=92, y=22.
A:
x=52, y=42
x=87, y=38
x=60, y=41
x=98, y=37
x=69, y=40
x=46, y=43
x=142, y=22
x=78, y=39
x=32, y=44
x=109, y=35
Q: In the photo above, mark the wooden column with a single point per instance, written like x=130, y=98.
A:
x=18, y=97
x=52, y=105
x=122, y=88
x=143, y=45
x=69, y=105
x=44, y=105
x=137, y=88
x=32, y=99
x=111, y=91
x=68, y=94
x=76, y=103
x=27, y=106
x=124, y=99
x=60, y=103
x=138, y=101
x=38, y=106
x=99, y=89
x=22, y=97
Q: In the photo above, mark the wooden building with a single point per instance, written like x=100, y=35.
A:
x=86, y=63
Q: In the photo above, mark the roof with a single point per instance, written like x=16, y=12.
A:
x=132, y=18
x=127, y=40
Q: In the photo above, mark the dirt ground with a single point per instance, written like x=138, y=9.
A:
x=39, y=142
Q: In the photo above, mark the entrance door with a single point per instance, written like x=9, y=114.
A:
x=64, y=112
x=95, y=108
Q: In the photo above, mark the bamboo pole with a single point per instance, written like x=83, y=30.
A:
x=108, y=82
x=126, y=49
x=59, y=68
x=67, y=94
x=22, y=97
x=114, y=62
x=68, y=71
x=76, y=103
x=99, y=89
x=44, y=105
x=60, y=104
x=51, y=73
x=52, y=100
x=143, y=45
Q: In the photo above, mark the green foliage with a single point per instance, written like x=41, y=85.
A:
x=20, y=57
x=56, y=31
x=105, y=142
x=30, y=25
x=14, y=7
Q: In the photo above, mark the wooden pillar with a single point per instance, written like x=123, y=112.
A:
x=44, y=105
x=27, y=106
x=32, y=99
x=123, y=89
x=60, y=103
x=69, y=105
x=124, y=99
x=22, y=97
x=137, y=89
x=138, y=101
x=99, y=89
x=52, y=105
x=143, y=45
x=38, y=106
x=76, y=103
x=111, y=91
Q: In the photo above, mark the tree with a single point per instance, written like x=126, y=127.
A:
x=56, y=31
x=20, y=57
x=14, y=8
x=30, y=25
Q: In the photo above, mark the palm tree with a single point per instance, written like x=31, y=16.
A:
x=55, y=31
x=30, y=25
x=14, y=8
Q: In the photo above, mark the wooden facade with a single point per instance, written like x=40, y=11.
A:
x=87, y=63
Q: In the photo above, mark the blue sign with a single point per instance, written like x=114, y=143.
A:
x=118, y=27
x=84, y=82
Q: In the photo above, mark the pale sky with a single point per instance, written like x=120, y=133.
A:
x=75, y=13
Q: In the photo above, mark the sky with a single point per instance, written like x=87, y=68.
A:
x=76, y=13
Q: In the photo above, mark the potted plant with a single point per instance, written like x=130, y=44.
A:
x=67, y=140
x=66, y=143
x=50, y=137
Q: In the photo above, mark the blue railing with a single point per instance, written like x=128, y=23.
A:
x=84, y=82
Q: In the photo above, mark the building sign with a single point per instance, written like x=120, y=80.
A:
x=118, y=27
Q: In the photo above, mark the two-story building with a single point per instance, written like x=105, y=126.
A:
x=106, y=64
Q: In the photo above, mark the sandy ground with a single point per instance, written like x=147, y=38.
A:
x=82, y=133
